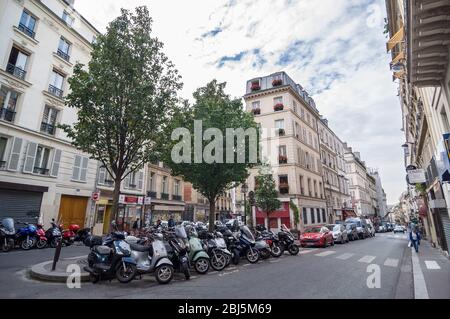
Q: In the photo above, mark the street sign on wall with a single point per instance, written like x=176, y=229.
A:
x=417, y=176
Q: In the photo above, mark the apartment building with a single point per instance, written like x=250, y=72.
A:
x=333, y=170
x=380, y=194
x=361, y=184
x=288, y=119
x=41, y=174
x=420, y=49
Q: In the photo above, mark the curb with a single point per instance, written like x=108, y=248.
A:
x=39, y=272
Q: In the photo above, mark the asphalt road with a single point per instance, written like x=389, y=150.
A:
x=341, y=271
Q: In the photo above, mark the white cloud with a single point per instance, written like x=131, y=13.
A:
x=341, y=59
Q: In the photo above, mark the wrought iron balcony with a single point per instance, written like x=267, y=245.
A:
x=164, y=196
x=281, y=132
x=7, y=115
x=55, y=91
x=29, y=32
x=16, y=71
x=284, y=188
x=48, y=128
x=41, y=170
x=278, y=107
x=2, y=165
x=63, y=55
x=151, y=194
x=132, y=186
x=282, y=159
x=256, y=111
x=176, y=197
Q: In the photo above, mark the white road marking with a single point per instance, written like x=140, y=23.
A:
x=391, y=262
x=367, y=259
x=308, y=251
x=431, y=264
x=420, y=287
x=325, y=253
x=232, y=268
x=212, y=272
x=245, y=265
x=345, y=256
x=228, y=272
x=274, y=261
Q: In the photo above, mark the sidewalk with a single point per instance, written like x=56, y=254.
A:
x=431, y=271
x=64, y=269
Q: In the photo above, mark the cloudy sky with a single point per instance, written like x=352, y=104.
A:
x=333, y=48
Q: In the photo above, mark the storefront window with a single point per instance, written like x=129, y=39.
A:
x=100, y=214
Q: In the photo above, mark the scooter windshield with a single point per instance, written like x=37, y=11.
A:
x=180, y=232
x=247, y=233
x=8, y=224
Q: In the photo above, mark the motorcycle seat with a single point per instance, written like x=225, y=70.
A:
x=141, y=248
x=103, y=250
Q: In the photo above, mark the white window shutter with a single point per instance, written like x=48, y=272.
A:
x=76, y=168
x=84, y=166
x=126, y=181
x=14, y=157
x=140, y=179
x=30, y=157
x=101, y=175
x=56, y=163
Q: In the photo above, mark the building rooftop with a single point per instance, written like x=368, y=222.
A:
x=277, y=80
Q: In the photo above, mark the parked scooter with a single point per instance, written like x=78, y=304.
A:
x=263, y=247
x=197, y=255
x=177, y=250
x=271, y=239
x=245, y=246
x=42, y=239
x=111, y=260
x=287, y=241
x=217, y=257
x=68, y=236
x=151, y=257
x=7, y=234
x=53, y=235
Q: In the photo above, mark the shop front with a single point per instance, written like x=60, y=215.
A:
x=131, y=207
x=275, y=219
x=163, y=210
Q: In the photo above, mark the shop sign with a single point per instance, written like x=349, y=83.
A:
x=122, y=199
x=131, y=199
x=140, y=200
x=147, y=200
x=417, y=176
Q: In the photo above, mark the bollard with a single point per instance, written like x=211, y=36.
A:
x=57, y=253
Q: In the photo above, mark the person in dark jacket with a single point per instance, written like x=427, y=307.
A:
x=136, y=226
x=414, y=237
x=171, y=223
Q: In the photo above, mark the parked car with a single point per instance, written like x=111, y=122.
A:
x=371, y=230
x=399, y=229
x=339, y=233
x=317, y=236
x=360, y=227
x=352, y=233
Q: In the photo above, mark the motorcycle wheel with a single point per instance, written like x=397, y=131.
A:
x=201, y=266
x=6, y=247
x=264, y=253
x=236, y=257
x=293, y=249
x=41, y=244
x=228, y=259
x=126, y=275
x=276, y=250
x=218, y=261
x=164, y=274
x=252, y=255
x=94, y=278
x=26, y=244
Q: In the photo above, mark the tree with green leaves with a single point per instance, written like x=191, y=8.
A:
x=266, y=194
x=214, y=143
x=123, y=98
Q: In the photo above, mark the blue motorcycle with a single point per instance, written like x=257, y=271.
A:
x=26, y=237
x=244, y=245
x=110, y=259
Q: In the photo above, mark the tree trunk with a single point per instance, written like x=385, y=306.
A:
x=115, y=208
x=212, y=214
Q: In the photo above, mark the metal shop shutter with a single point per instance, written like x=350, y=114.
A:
x=20, y=205
x=446, y=227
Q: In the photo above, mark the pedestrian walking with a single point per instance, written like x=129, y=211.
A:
x=136, y=226
x=414, y=237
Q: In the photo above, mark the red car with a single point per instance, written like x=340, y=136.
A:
x=317, y=236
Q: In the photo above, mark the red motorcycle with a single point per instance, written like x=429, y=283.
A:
x=68, y=236
x=41, y=238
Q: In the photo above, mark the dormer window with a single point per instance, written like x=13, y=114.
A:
x=277, y=80
x=256, y=85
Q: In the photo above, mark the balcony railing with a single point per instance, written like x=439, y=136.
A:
x=282, y=159
x=48, y=128
x=63, y=55
x=41, y=170
x=255, y=86
x=29, y=32
x=7, y=115
x=16, y=71
x=2, y=165
x=281, y=132
x=151, y=194
x=256, y=111
x=132, y=186
x=164, y=196
x=109, y=182
x=55, y=91
x=278, y=107
x=277, y=82
x=176, y=197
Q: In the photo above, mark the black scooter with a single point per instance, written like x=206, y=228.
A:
x=177, y=250
x=286, y=240
x=110, y=259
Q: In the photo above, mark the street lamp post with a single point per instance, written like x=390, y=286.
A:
x=244, y=190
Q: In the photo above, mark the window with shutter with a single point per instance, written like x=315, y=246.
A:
x=14, y=157
x=126, y=181
x=76, y=168
x=101, y=176
x=30, y=156
x=56, y=163
x=141, y=180
x=83, y=171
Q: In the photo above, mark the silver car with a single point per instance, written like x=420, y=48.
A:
x=339, y=233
